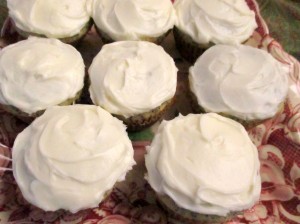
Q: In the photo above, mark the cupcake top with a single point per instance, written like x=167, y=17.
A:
x=216, y=21
x=206, y=163
x=241, y=81
x=133, y=19
x=52, y=18
x=37, y=73
x=70, y=157
x=132, y=77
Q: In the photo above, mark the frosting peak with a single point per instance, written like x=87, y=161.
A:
x=205, y=163
x=216, y=21
x=38, y=73
x=70, y=157
x=132, y=77
x=133, y=19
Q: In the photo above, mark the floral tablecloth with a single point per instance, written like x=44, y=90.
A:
x=133, y=201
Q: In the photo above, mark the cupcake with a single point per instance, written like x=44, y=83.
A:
x=204, y=168
x=133, y=80
x=241, y=82
x=66, y=20
x=38, y=73
x=71, y=157
x=201, y=24
x=147, y=20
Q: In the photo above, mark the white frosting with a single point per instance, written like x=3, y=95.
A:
x=38, y=73
x=205, y=163
x=52, y=18
x=70, y=157
x=132, y=77
x=133, y=19
x=242, y=81
x=216, y=21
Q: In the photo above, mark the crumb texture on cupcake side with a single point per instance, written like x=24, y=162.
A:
x=239, y=81
x=215, y=21
x=133, y=19
x=38, y=73
x=51, y=18
x=129, y=78
x=71, y=157
x=205, y=163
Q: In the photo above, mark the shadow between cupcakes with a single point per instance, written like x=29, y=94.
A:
x=74, y=40
x=144, y=120
x=28, y=118
x=106, y=39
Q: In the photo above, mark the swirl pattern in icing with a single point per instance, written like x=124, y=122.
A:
x=71, y=157
x=52, y=18
x=206, y=163
x=216, y=21
x=241, y=81
x=132, y=77
x=38, y=73
x=133, y=19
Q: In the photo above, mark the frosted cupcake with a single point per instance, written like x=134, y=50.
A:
x=71, y=157
x=148, y=20
x=38, y=73
x=242, y=82
x=133, y=80
x=66, y=20
x=201, y=24
x=204, y=168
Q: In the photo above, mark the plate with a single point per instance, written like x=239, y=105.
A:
x=133, y=201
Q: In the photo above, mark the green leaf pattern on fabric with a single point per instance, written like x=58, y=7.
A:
x=3, y=12
x=283, y=19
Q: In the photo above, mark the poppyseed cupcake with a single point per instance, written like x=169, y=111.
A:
x=204, y=168
x=67, y=20
x=133, y=80
x=201, y=24
x=244, y=83
x=147, y=20
x=71, y=157
x=38, y=73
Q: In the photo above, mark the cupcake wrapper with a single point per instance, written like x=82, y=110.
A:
x=189, y=217
x=188, y=49
x=106, y=39
x=68, y=40
x=142, y=121
x=248, y=124
x=28, y=118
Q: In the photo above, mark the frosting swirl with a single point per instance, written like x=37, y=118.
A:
x=52, y=18
x=133, y=19
x=216, y=21
x=242, y=81
x=70, y=157
x=206, y=163
x=132, y=77
x=38, y=73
